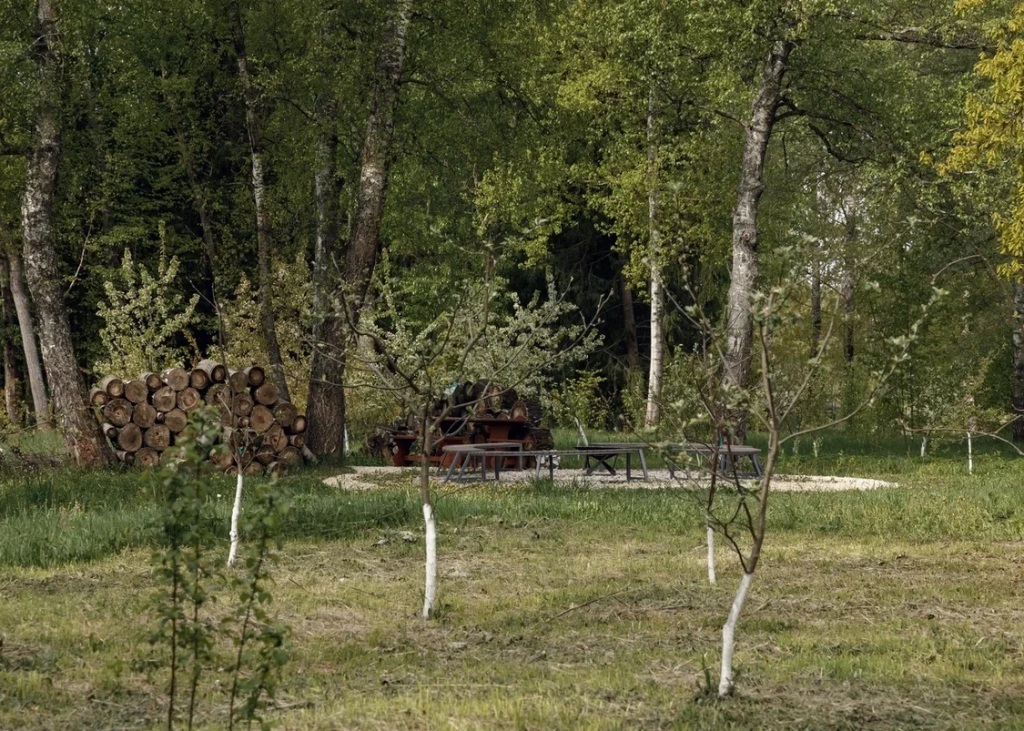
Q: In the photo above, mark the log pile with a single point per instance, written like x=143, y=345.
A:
x=142, y=416
x=472, y=412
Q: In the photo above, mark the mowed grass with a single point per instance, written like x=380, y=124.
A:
x=561, y=606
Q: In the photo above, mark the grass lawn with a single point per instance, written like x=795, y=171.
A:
x=562, y=606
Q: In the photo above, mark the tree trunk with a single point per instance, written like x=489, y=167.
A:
x=1018, y=360
x=326, y=400
x=29, y=345
x=711, y=555
x=657, y=368
x=12, y=365
x=268, y=322
x=815, y=306
x=849, y=283
x=82, y=433
x=429, y=524
x=739, y=321
x=725, y=681
x=629, y=325
x=236, y=514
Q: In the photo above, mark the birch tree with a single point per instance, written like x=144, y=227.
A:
x=85, y=442
x=257, y=157
x=326, y=407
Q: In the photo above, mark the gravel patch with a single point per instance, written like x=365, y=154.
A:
x=658, y=479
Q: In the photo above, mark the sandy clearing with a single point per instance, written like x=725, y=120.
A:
x=357, y=480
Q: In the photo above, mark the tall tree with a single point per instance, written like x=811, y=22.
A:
x=85, y=442
x=993, y=141
x=257, y=155
x=739, y=322
x=326, y=407
x=657, y=365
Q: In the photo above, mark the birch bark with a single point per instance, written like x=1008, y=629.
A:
x=268, y=321
x=81, y=431
x=657, y=366
x=327, y=411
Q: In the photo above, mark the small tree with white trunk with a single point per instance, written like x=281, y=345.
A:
x=519, y=344
x=737, y=509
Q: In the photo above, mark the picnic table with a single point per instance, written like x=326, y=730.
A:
x=595, y=457
x=728, y=457
x=462, y=455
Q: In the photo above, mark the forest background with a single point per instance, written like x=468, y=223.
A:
x=258, y=181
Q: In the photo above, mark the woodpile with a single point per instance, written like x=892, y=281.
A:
x=142, y=416
x=472, y=412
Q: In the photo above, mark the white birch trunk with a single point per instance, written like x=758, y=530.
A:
x=970, y=454
x=430, y=585
x=657, y=281
x=924, y=446
x=236, y=512
x=725, y=682
x=711, y=555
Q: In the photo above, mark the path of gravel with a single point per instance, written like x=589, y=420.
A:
x=357, y=480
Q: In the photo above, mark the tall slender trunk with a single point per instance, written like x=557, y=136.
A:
x=326, y=382
x=815, y=305
x=657, y=366
x=327, y=416
x=629, y=326
x=12, y=367
x=29, y=344
x=81, y=431
x=429, y=522
x=739, y=321
x=849, y=283
x=1018, y=360
x=268, y=321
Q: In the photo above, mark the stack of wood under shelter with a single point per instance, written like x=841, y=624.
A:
x=143, y=416
x=473, y=412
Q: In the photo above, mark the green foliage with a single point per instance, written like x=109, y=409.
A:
x=186, y=567
x=146, y=318
x=479, y=332
x=579, y=397
x=291, y=299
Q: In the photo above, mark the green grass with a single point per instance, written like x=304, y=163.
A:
x=561, y=606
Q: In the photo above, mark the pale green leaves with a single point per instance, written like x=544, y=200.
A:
x=146, y=318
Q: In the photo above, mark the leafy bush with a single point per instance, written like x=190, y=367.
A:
x=146, y=317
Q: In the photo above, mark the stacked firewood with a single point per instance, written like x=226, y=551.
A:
x=142, y=416
x=482, y=399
